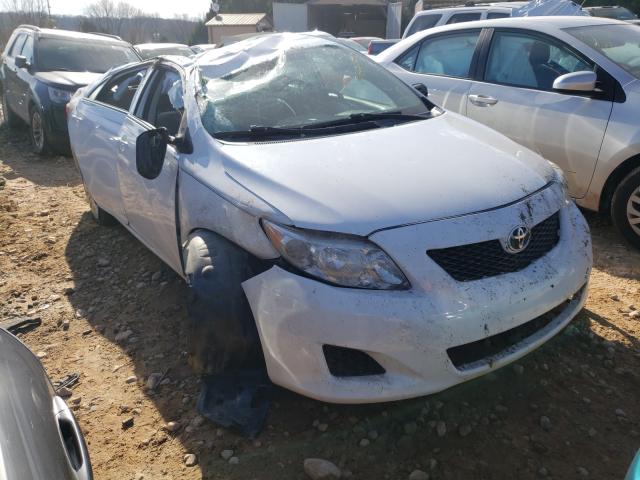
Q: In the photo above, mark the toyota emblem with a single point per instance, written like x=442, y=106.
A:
x=518, y=240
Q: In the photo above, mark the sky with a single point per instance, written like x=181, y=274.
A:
x=165, y=8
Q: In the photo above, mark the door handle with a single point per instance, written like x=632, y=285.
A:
x=482, y=100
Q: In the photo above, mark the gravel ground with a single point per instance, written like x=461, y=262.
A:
x=115, y=315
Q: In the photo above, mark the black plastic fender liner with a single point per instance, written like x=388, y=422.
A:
x=224, y=343
x=223, y=331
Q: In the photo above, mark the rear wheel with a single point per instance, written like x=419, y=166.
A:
x=39, y=136
x=10, y=118
x=625, y=207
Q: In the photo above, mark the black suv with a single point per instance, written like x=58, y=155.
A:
x=42, y=68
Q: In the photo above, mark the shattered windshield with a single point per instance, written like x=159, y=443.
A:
x=297, y=83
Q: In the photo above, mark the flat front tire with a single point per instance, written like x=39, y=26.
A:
x=625, y=207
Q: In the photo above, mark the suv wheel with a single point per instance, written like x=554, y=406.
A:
x=10, y=118
x=38, y=133
x=625, y=207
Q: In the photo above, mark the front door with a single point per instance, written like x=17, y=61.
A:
x=444, y=64
x=150, y=204
x=517, y=99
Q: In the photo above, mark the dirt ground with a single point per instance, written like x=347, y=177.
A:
x=112, y=313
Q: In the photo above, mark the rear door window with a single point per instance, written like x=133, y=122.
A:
x=120, y=90
x=448, y=55
x=423, y=22
x=492, y=15
x=464, y=17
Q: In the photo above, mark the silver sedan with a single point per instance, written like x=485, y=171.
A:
x=565, y=87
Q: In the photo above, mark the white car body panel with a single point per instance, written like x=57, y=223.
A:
x=588, y=138
x=409, y=332
x=460, y=183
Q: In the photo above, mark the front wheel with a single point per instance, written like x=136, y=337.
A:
x=39, y=136
x=625, y=208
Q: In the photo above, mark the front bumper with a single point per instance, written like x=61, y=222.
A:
x=409, y=332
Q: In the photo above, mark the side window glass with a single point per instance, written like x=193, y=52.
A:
x=27, y=49
x=120, y=91
x=464, y=17
x=423, y=22
x=17, y=45
x=162, y=104
x=448, y=55
x=529, y=62
x=408, y=59
x=492, y=15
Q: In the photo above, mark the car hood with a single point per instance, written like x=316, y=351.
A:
x=410, y=173
x=68, y=79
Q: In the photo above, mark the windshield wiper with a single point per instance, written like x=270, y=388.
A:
x=355, y=118
x=257, y=132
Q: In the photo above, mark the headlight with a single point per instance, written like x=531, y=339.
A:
x=345, y=260
x=57, y=95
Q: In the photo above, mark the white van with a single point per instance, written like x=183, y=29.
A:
x=444, y=16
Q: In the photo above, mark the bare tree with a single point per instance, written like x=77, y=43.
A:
x=110, y=16
x=34, y=12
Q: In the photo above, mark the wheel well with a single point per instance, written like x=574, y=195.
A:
x=614, y=179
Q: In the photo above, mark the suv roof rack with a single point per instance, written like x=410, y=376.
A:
x=30, y=27
x=116, y=37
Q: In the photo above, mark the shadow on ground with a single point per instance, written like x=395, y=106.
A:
x=488, y=428
x=47, y=171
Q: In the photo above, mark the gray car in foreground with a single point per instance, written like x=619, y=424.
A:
x=39, y=437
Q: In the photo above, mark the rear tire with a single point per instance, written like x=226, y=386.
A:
x=39, y=136
x=99, y=215
x=625, y=208
x=10, y=119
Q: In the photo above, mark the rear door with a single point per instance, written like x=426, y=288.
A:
x=94, y=130
x=150, y=203
x=516, y=98
x=10, y=86
x=23, y=79
x=445, y=64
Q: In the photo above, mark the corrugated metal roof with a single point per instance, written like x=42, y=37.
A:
x=236, y=19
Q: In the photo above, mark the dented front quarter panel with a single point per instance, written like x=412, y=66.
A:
x=408, y=332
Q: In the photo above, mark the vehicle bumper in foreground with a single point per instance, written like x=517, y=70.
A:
x=433, y=336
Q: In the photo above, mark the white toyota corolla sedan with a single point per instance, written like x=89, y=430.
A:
x=568, y=88
x=329, y=220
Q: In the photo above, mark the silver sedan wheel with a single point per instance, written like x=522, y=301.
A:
x=633, y=211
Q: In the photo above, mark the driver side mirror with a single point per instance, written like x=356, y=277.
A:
x=421, y=88
x=151, y=147
x=21, y=62
x=576, y=82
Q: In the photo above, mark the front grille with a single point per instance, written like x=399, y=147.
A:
x=489, y=349
x=347, y=362
x=488, y=259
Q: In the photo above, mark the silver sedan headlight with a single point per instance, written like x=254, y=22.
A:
x=339, y=259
